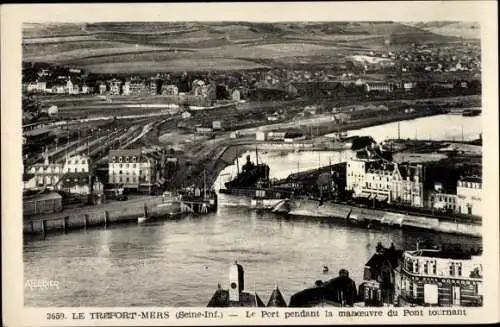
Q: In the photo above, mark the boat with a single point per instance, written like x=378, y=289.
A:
x=246, y=181
x=471, y=112
x=142, y=219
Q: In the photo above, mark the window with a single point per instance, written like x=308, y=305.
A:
x=83, y=162
x=416, y=266
x=459, y=269
x=126, y=166
x=121, y=165
x=120, y=172
x=120, y=159
x=452, y=269
x=134, y=165
x=426, y=267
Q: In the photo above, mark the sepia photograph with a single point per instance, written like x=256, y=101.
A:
x=305, y=164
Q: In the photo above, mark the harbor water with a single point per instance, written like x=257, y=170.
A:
x=180, y=262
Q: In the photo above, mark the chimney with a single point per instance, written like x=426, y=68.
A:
x=236, y=282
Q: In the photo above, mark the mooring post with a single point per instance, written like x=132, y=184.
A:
x=44, y=226
x=85, y=220
x=32, y=227
x=66, y=223
x=106, y=217
x=145, y=210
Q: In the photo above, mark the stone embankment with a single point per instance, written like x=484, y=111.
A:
x=311, y=208
x=96, y=216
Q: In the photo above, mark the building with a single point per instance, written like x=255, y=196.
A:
x=47, y=174
x=236, y=95
x=469, y=195
x=369, y=179
x=186, y=115
x=79, y=163
x=379, y=87
x=439, y=277
x=115, y=86
x=131, y=169
x=408, y=185
x=102, y=88
x=153, y=87
x=379, y=282
x=381, y=180
x=42, y=204
x=169, y=89
x=79, y=183
x=134, y=88
x=85, y=89
x=216, y=125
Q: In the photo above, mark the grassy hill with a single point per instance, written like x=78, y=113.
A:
x=465, y=30
x=214, y=45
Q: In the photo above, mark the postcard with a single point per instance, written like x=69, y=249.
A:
x=313, y=163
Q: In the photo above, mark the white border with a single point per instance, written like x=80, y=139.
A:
x=12, y=16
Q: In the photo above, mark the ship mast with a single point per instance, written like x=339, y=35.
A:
x=204, y=184
x=237, y=165
x=256, y=156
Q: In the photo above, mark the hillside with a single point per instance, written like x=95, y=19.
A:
x=226, y=45
x=465, y=30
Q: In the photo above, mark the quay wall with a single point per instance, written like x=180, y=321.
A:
x=102, y=215
x=310, y=208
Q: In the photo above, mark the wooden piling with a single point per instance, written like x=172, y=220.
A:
x=145, y=210
x=85, y=220
x=66, y=223
x=106, y=218
x=32, y=227
x=44, y=226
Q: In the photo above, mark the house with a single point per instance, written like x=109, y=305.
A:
x=260, y=136
x=131, y=169
x=69, y=88
x=236, y=95
x=153, y=87
x=169, y=89
x=380, y=180
x=85, y=89
x=115, y=86
x=440, y=277
x=102, y=88
x=379, y=282
x=216, y=125
x=47, y=174
x=77, y=164
x=379, y=86
x=80, y=183
x=291, y=137
x=186, y=115
x=469, y=196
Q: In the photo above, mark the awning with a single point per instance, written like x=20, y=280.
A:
x=364, y=195
x=381, y=198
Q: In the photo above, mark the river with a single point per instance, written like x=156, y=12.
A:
x=441, y=127
x=179, y=262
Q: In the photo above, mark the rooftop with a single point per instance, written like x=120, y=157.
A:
x=473, y=179
x=442, y=254
x=42, y=197
x=125, y=152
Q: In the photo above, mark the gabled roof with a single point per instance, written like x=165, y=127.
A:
x=276, y=299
